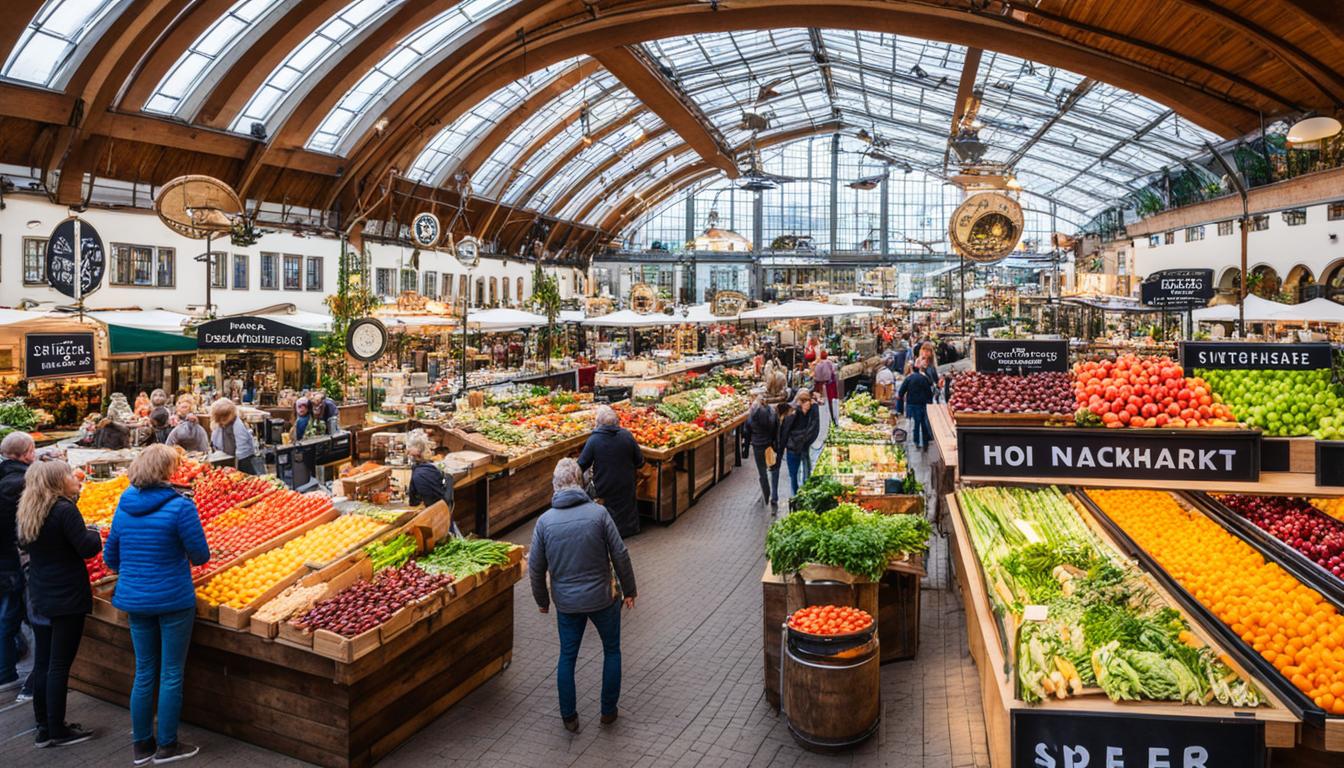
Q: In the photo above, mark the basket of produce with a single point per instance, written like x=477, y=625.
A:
x=833, y=631
x=999, y=398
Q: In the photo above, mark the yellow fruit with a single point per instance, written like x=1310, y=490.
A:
x=98, y=500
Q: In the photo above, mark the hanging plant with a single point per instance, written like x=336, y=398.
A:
x=352, y=300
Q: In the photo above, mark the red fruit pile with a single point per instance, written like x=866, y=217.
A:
x=1297, y=524
x=188, y=469
x=234, y=532
x=830, y=620
x=1006, y=393
x=1133, y=391
x=366, y=604
x=218, y=490
x=95, y=565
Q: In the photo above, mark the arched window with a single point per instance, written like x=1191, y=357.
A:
x=494, y=291
x=520, y=291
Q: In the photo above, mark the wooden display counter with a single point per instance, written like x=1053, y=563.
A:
x=675, y=478
x=1007, y=717
x=285, y=697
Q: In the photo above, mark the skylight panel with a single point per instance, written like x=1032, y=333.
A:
x=47, y=50
x=171, y=94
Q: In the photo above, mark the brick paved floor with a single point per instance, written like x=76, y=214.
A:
x=692, y=693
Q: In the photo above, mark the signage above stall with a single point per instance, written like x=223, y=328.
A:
x=60, y=267
x=643, y=299
x=728, y=303
x=468, y=252
x=1250, y=356
x=1077, y=739
x=1020, y=356
x=1136, y=454
x=425, y=230
x=1178, y=289
x=986, y=226
x=250, y=333
x=58, y=354
x=366, y=339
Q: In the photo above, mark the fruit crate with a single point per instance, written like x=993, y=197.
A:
x=336, y=578
x=980, y=419
x=1288, y=454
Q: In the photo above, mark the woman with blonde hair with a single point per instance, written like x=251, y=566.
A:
x=156, y=537
x=232, y=436
x=52, y=532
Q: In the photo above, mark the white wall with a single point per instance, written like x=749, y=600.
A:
x=1281, y=247
x=144, y=228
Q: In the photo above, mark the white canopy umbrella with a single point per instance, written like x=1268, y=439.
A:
x=161, y=320
x=702, y=314
x=503, y=319
x=1317, y=310
x=628, y=318
x=572, y=315
x=1258, y=310
x=790, y=310
x=415, y=321
x=13, y=316
x=308, y=321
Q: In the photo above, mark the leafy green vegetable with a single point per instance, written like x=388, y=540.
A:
x=392, y=553
x=464, y=557
x=819, y=493
x=15, y=414
x=847, y=537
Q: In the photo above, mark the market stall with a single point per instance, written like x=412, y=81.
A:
x=55, y=363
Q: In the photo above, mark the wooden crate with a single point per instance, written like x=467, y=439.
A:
x=334, y=577
x=703, y=465
x=314, y=708
x=973, y=419
x=898, y=602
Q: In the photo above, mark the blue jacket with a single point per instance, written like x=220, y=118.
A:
x=156, y=537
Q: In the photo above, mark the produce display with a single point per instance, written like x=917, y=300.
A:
x=218, y=490
x=1133, y=391
x=98, y=500
x=861, y=408
x=461, y=558
x=240, y=529
x=295, y=599
x=392, y=553
x=1100, y=624
x=1050, y=393
x=188, y=469
x=654, y=430
x=1283, y=403
x=239, y=585
x=706, y=407
x=820, y=493
x=1291, y=625
x=97, y=568
x=1297, y=524
x=847, y=537
x=830, y=620
x=1333, y=507
x=366, y=604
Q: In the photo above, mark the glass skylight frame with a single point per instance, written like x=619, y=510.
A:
x=178, y=92
x=53, y=42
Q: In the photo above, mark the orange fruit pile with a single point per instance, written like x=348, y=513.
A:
x=1286, y=622
x=1333, y=507
x=238, y=586
x=98, y=500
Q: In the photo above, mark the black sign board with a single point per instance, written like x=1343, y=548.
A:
x=1085, y=740
x=1330, y=462
x=1178, y=289
x=250, y=333
x=60, y=267
x=58, y=354
x=1021, y=356
x=1140, y=454
x=1250, y=356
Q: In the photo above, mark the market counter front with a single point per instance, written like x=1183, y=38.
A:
x=674, y=478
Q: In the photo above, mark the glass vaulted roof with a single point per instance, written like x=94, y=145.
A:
x=171, y=95
x=48, y=48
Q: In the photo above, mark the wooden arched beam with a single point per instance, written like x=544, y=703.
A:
x=563, y=160
x=495, y=136
x=231, y=92
x=619, y=26
x=1322, y=14
x=649, y=198
x=184, y=31
x=501, y=184
x=95, y=84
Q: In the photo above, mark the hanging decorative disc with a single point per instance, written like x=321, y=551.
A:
x=986, y=226
x=198, y=206
x=728, y=303
x=469, y=252
x=425, y=230
x=643, y=299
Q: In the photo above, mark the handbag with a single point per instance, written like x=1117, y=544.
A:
x=769, y=456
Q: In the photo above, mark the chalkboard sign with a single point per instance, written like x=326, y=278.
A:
x=1249, y=356
x=61, y=258
x=1021, y=356
x=1088, y=740
x=1178, y=289
x=1139, y=454
x=250, y=333
x=58, y=354
x=1330, y=462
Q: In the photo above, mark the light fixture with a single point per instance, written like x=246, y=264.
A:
x=1313, y=129
x=34, y=224
x=381, y=125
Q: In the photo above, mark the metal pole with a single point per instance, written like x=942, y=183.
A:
x=1241, y=284
x=210, y=269
x=465, y=303
x=79, y=269
x=962, y=273
x=1056, y=291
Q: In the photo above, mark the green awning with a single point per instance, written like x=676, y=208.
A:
x=124, y=340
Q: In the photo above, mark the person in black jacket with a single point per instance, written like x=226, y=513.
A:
x=797, y=432
x=760, y=432
x=613, y=455
x=52, y=532
x=18, y=452
x=429, y=485
x=915, y=394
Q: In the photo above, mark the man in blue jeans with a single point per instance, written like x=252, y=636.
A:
x=915, y=394
x=577, y=543
x=17, y=451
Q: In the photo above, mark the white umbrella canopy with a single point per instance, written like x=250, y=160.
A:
x=572, y=315
x=12, y=316
x=628, y=318
x=503, y=319
x=1317, y=310
x=790, y=310
x=161, y=320
x=1258, y=310
x=308, y=321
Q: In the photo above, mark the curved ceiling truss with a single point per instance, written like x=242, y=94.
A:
x=346, y=93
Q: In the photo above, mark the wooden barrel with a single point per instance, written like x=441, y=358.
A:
x=831, y=703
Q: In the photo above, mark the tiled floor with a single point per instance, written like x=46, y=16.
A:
x=692, y=693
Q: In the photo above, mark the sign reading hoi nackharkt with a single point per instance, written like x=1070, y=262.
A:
x=250, y=332
x=1141, y=454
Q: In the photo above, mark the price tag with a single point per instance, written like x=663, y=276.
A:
x=1035, y=613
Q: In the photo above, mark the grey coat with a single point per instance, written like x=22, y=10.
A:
x=578, y=544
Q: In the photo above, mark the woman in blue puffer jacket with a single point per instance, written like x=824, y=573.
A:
x=156, y=537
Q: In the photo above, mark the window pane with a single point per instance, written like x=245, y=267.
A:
x=240, y=281
x=293, y=272
x=53, y=37
x=268, y=267
x=219, y=270
x=34, y=261
x=167, y=272
x=314, y=275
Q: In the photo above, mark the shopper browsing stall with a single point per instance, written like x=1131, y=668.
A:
x=577, y=544
x=613, y=455
x=797, y=431
x=825, y=375
x=156, y=537
x=111, y=435
x=761, y=437
x=233, y=437
x=915, y=395
x=52, y=532
x=189, y=434
x=18, y=452
x=429, y=484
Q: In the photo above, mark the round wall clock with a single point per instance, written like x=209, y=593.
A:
x=986, y=226
x=469, y=252
x=425, y=230
x=366, y=339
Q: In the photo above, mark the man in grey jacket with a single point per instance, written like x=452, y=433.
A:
x=577, y=542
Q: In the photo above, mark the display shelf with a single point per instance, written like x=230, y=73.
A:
x=1276, y=723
